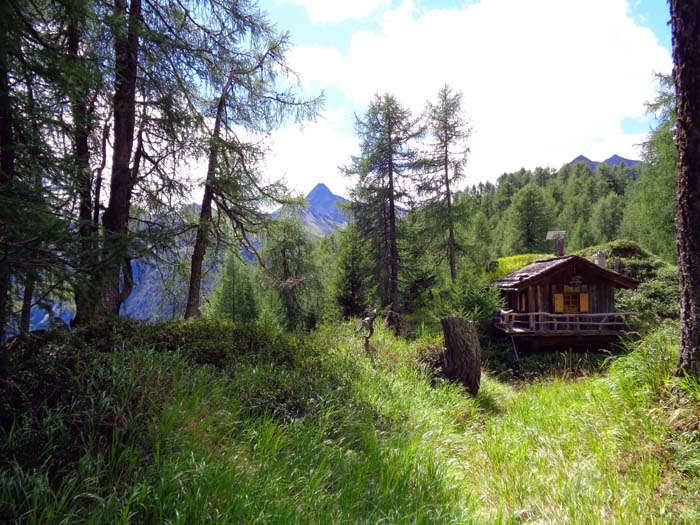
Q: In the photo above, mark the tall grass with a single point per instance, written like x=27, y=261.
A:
x=311, y=430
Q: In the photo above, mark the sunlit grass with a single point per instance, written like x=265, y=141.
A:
x=335, y=436
x=509, y=264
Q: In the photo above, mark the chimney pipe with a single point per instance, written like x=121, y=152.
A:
x=559, y=247
x=558, y=237
x=600, y=259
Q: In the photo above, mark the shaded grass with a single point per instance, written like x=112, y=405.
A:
x=312, y=431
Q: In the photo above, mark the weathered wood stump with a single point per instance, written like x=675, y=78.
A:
x=368, y=323
x=462, y=352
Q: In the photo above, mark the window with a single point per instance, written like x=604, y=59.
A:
x=570, y=302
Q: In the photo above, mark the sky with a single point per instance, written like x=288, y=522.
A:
x=542, y=80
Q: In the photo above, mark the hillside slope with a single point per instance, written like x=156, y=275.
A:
x=208, y=423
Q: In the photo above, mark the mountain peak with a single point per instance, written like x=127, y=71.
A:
x=580, y=158
x=616, y=159
x=321, y=215
x=319, y=191
x=611, y=161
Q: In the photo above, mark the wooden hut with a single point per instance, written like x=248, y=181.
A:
x=562, y=302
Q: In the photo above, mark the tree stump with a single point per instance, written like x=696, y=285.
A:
x=368, y=323
x=462, y=352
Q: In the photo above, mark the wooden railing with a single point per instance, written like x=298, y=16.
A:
x=545, y=322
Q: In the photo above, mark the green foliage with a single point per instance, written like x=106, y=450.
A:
x=418, y=269
x=635, y=261
x=606, y=217
x=353, y=285
x=528, y=218
x=576, y=205
x=234, y=298
x=443, y=167
x=649, y=215
x=476, y=299
x=387, y=134
x=656, y=298
x=291, y=273
x=476, y=239
x=645, y=371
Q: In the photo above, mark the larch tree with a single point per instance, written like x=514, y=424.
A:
x=290, y=270
x=685, y=27
x=387, y=158
x=527, y=220
x=234, y=298
x=35, y=194
x=247, y=71
x=449, y=130
x=116, y=217
x=650, y=207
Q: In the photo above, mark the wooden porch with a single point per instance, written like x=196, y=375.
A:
x=549, y=324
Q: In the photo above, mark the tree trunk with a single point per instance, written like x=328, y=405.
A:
x=116, y=216
x=7, y=172
x=685, y=26
x=27, y=297
x=450, y=222
x=462, y=352
x=200, y=245
x=4, y=296
x=84, y=299
x=98, y=179
x=393, y=318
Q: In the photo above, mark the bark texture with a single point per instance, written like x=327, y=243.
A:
x=27, y=296
x=685, y=26
x=116, y=216
x=451, y=245
x=200, y=244
x=7, y=172
x=84, y=300
x=393, y=317
x=462, y=352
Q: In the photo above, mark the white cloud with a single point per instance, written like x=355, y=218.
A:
x=305, y=155
x=543, y=80
x=323, y=11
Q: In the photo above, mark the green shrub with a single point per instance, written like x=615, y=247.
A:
x=654, y=299
x=635, y=261
x=476, y=299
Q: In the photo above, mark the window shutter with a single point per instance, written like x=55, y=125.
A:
x=583, y=302
x=558, y=303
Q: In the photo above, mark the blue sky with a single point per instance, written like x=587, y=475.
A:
x=543, y=80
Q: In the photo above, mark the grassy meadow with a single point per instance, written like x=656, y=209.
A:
x=209, y=423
